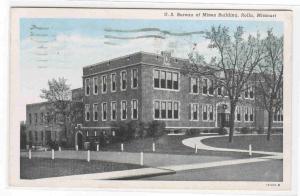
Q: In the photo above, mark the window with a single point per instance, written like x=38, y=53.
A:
x=194, y=85
x=246, y=93
x=169, y=80
x=123, y=80
x=134, y=109
x=204, y=112
x=134, y=78
x=246, y=114
x=169, y=112
x=113, y=110
x=104, y=111
x=35, y=118
x=238, y=113
x=176, y=109
x=175, y=81
x=165, y=80
x=48, y=117
x=30, y=119
x=87, y=87
x=104, y=84
x=123, y=110
x=210, y=87
x=156, y=78
x=113, y=82
x=204, y=87
x=251, y=114
x=219, y=91
x=87, y=112
x=95, y=112
x=156, y=109
x=251, y=92
x=162, y=79
x=278, y=116
x=211, y=112
x=163, y=110
x=95, y=84
x=194, y=111
x=41, y=117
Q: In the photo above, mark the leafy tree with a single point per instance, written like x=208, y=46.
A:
x=270, y=78
x=235, y=59
x=58, y=96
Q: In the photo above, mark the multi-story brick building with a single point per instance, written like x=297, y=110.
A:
x=43, y=124
x=144, y=86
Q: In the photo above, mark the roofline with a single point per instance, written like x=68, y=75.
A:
x=128, y=55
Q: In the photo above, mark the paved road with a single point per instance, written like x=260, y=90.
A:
x=258, y=171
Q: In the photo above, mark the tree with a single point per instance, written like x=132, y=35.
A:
x=58, y=96
x=232, y=65
x=270, y=78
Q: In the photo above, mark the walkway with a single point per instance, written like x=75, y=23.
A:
x=158, y=164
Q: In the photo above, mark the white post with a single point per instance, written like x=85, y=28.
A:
x=59, y=148
x=153, y=147
x=122, y=147
x=97, y=147
x=45, y=149
x=29, y=154
x=76, y=147
x=250, y=150
x=196, y=149
x=52, y=154
x=142, y=159
x=88, y=156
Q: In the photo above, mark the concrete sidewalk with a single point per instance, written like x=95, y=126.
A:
x=197, y=141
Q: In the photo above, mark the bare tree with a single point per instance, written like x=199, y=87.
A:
x=270, y=78
x=58, y=95
x=232, y=66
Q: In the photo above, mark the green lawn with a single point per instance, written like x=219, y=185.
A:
x=258, y=142
x=169, y=144
x=44, y=168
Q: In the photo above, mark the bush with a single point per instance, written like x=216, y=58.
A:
x=193, y=132
x=260, y=130
x=156, y=129
x=245, y=130
x=53, y=145
x=136, y=129
x=222, y=131
x=277, y=130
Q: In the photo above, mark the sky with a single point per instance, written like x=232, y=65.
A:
x=52, y=48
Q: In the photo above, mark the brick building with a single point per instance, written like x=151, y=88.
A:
x=144, y=86
x=43, y=124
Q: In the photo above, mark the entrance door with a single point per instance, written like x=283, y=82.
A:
x=223, y=119
x=79, y=141
x=47, y=137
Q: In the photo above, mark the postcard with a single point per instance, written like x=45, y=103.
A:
x=122, y=98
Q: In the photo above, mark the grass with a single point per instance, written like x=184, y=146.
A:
x=44, y=168
x=258, y=142
x=169, y=144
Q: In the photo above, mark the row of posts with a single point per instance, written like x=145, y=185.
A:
x=122, y=149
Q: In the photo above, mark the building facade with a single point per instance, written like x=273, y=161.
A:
x=146, y=87
x=44, y=124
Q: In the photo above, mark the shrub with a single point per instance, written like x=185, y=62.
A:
x=136, y=129
x=222, y=131
x=277, y=130
x=193, y=132
x=245, y=130
x=260, y=130
x=53, y=145
x=156, y=129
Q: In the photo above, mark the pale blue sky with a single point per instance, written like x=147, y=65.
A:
x=70, y=44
